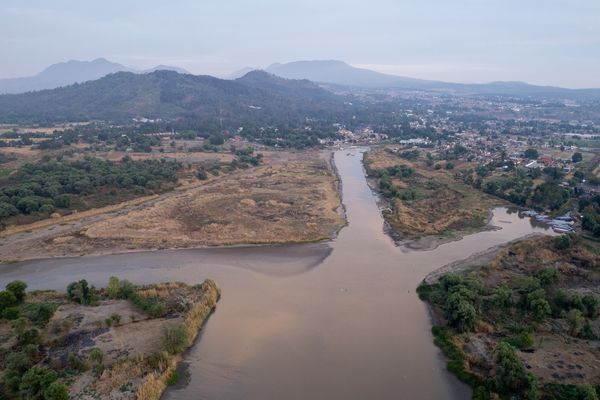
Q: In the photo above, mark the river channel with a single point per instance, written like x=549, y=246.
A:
x=335, y=320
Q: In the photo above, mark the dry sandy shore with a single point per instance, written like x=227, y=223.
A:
x=293, y=197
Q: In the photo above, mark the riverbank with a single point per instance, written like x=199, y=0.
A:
x=292, y=198
x=121, y=342
x=521, y=319
x=424, y=207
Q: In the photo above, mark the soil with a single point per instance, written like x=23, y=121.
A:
x=292, y=197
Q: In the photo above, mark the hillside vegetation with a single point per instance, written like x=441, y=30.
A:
x=256, y=97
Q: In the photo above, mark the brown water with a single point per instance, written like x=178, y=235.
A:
x=319, y=321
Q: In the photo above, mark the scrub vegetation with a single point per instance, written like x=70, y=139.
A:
x=524, y=326
x=121, y=342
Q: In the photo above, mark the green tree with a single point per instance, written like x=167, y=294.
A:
x=540, y=308
x=7, y=299
x=577, y=157
x=512, y=378
x=18, y=289
x=113, y=290
x=17, y=364
x=531, y=154
x=503, y=297
x=35, y=381
x=460, y=312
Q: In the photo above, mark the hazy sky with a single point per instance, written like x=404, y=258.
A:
x=540, y=41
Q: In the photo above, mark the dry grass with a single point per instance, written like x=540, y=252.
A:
x=292, y=197
x=292, y=201
x=443, y=204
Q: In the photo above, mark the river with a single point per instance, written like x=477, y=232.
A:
x=337, y=320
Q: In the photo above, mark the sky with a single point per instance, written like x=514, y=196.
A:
x=551, y=42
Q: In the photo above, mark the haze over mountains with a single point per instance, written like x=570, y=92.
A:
x=70, y=72
x=121, y=96
x=340, y=73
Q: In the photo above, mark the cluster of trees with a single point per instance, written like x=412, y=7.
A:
x=46, y=185
x=23, y=376
x=520, y=302
x=591, y=215
x=385, y=177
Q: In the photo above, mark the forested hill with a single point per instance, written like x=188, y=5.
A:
x=258, y=97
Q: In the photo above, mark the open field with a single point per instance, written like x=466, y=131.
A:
x=292, y=197
x=431, y=202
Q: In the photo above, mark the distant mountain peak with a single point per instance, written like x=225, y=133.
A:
x=72, y=71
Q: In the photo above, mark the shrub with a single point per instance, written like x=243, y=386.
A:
x=7, y=299
x=547, y=276
x=80, y=292
x=76, y=363
x=116, y=318
x=512, y=378
x=16, y=365
x=30, y=336
x=575, y=320
x=173, y=378
x=10, y=313
x=540, y=308
x=202, y=175
x=591, y=304
x=563, y=242
x=503, y=297
x=35, y=381
x=459, y=312
x=113, y=290
x=96, y=356
x=175, y=338
x=521, y=341
x=18, y=289
x=56, y=391
x=39, y=313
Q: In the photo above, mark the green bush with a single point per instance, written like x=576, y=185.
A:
x=18, y=289
x=80, y=292
x=7, y=299
x=96, y=356
x=547, y=276
x=35, y=381
x=16, y=365
x=512, y=378
x=30, y=336
x=76, y=363
x=522, y=341
x=175, y=339
x=10, y=313
x=39, y=313
x=56, y=391
x=540, y=308
x=113, y=290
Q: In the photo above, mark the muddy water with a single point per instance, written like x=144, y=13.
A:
x=320, y=321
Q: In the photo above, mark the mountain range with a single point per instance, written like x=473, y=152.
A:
x=70, y=72
x=257, y=96
x=339, y=73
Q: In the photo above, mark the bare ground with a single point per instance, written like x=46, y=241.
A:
x=292, y=197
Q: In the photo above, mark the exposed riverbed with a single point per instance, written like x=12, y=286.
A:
x=338, y=320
